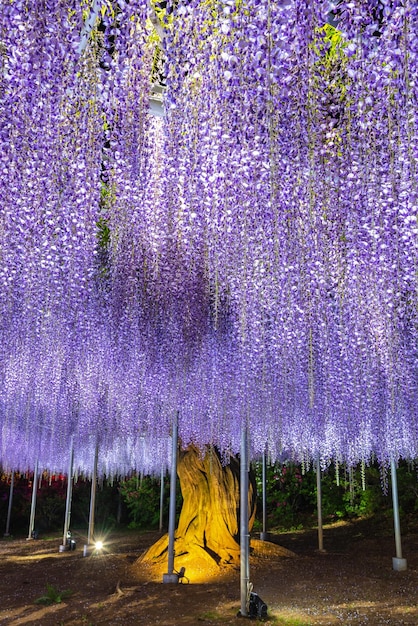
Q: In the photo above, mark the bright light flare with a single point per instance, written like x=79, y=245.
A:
x=98, y=545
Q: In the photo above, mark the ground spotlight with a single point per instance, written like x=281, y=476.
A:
x=176, y=577
x=70, y=543
x=96, y=547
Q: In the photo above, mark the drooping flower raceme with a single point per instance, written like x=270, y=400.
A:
x=249, y=260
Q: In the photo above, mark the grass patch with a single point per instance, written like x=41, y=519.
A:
x=213, y=616
x=290, y=621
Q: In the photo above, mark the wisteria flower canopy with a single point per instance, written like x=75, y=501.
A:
x=249, y=260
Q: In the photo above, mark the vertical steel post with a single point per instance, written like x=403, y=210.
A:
x=90, y=532
x=88, y=25
x=264, y=534
x=399, y=563
x=33, y=503
x=161, y=499
x=171, y=576
x=69, y=494
x=9, y=508
x=244, y=533
x=319, y=505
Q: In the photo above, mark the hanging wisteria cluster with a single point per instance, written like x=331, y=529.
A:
x=249, y=260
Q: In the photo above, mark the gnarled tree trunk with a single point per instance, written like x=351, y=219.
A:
x=207, y=537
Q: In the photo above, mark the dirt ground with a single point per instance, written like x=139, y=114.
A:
x=352, y=582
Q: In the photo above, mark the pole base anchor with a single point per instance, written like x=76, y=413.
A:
x=399, y=565
x=171, y=578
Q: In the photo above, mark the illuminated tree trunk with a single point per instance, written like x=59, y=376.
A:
x=208, y=529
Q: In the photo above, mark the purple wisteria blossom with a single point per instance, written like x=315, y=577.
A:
x=249, y=259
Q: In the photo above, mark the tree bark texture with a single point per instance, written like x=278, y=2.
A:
x=208, y=529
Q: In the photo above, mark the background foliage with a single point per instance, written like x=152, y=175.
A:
x=346, y=494
x=50, y=504
x=291, y=499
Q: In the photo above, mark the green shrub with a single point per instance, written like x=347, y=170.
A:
x=142, y=498
x=349, y=493
x=53, y=596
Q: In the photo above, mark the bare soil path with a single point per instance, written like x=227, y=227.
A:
x=351, y=583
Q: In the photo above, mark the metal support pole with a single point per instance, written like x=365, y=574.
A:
x=156, y=106
x=264, y=534
x=88, y=26
x=161, y=499
x=319, y=506
x=69, y=495
x=90, y=532
x=171, y=576
x=9, y=508
x=244, y=532
x=93, y=497
x=398, y=562
x=33, y=503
